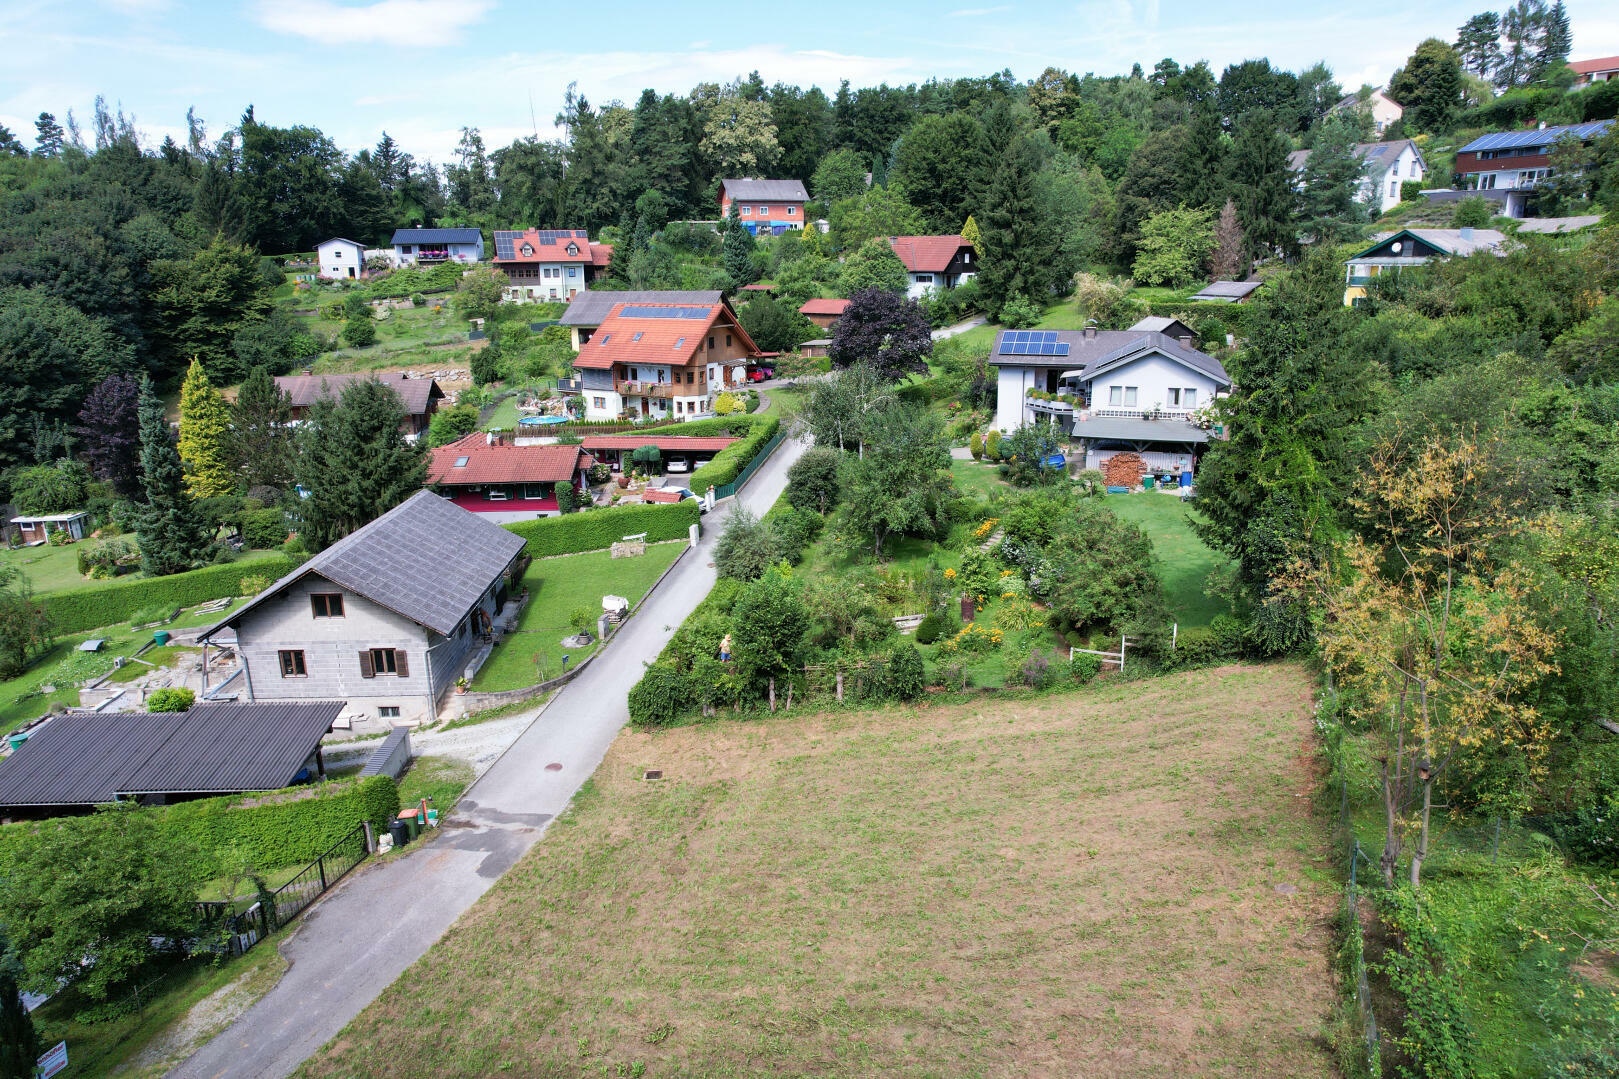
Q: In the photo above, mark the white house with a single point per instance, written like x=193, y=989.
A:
x=1110, y=390
x=548, y=264
x=1505, y=167
x=934, y=263
x=339, y=259
x=429, y=247
x=1385, y=111
x=1388, y=165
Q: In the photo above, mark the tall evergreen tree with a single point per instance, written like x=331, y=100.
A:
x=1018, y=248
x=353, y=458
x=109, y=430
x=170, y=533
x=1330, y=206
x=1203, y=159
x=48, y=143
x=1230, y=260
x=738, y=249
x=1478, y=43
x=1263, y=183
x=205, y=438
x=259, y=426
x=1556, y=39
x=19, y=1041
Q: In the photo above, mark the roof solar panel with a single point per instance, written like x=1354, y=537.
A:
x=638, y=311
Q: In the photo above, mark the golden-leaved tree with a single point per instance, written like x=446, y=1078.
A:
x=1431, y=631
x=205, y=436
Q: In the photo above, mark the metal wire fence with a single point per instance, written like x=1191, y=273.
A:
x=269, y=912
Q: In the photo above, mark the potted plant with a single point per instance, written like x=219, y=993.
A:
x=461, y=684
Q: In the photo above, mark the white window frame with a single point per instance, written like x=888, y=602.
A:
x=764, y=211
x=747, y=211
x=791, y=210
x=1175, y=396
x=1115, y=395
x=1189, y=396
x=1130, y=396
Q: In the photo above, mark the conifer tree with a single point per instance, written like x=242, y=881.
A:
x=1330, y=204
x=353, y=458
x=1018, y=247
x=738, y=249
x=262, y=437
x=170, y=534
x=19, y=1042
x=205, y=436
x=970, y=233
x=1203, y=160
x=1263, y=183
x=1230, y=261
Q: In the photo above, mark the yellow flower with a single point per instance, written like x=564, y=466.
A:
x=1006, y=573
x=950, y=573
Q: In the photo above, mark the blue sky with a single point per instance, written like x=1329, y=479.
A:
x=422, y=68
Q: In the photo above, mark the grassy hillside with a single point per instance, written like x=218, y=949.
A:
x=1116, y=883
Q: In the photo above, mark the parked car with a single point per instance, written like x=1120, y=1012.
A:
x=685, y=493
x=677, y=464
x=759, y=374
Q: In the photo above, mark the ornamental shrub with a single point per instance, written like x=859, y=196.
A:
x=359, y=332
x=1036, y=671
x=727, y=403
x=931, y=628
x=600, y=529
x=992, y=445
x=1019, y=313
x=976, y=445
x=173, y=699
x=907, y=675
x=662, y=695
x=264, y=529
x=1084, y=668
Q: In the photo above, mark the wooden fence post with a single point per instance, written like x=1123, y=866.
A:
x=840, y=686
x=789, y=705
x=772, y=696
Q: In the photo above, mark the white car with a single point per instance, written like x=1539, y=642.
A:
x=678, y=464
x=685, y=493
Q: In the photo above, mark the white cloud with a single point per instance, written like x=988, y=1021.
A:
x=410, y=23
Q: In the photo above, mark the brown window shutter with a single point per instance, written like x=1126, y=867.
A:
x=366, y=670
x=402, y=664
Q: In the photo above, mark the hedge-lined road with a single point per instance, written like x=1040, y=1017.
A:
x=355, y=942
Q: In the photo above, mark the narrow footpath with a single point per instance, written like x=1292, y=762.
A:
x=352, y=944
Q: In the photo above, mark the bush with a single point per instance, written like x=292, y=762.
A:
x=1019, y=313
x=729, y=462
x=600, y=529
x=907, y=675
x=792, y=531
x=812, y=481
x=976, y=446
x=567, y=498
x=932, y=627
x=109, y=558
x=1471, y=212
x=89, y=606
x=418, y=300
x=746, y=549
x=662, y=695
x=450, y=424
x=1589, y=834
x=1084, y=668
x=252, y=586
x=1036, y=672
x=171, y=700
x=727, y=403
x=992, y=445
x=147, y=616
x=264, y=529
x=360, y=332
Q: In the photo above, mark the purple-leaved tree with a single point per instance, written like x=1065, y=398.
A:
x=109, y=431
x=885, y=330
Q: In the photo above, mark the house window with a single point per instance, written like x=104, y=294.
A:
x=326, y=605
x=1121, y=395
x=1189, y=397
x=1129, y=395
x=1413, y=168
x=461, y=462
x=533, y=490
x=606, y=337
x=380, y=661
x=747, y=211
x=405, y=249
x=924, y=279
x=764, y=210
x=727, y=340
x=598, y=402
x=691, y=376
x=292, y=664
x=573, y=271
x=1174, y=395
x=637, y=336
x=388, y=711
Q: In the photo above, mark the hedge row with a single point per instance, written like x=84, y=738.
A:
x=595, y=530
x=1234, y=315
x=282, y=833
x=106, y=603
x=729, y=462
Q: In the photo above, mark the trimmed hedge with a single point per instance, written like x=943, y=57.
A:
x=1233, y=315
x=729, y=462
x=595, y=530
x=106, y=603
x=283, y=833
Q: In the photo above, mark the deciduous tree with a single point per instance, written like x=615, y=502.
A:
x=109, y=433
x=1429, y=87
x=873, y=266
x=885, y=331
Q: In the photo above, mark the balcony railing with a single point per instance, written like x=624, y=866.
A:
x=434, y=255
x=1057, y=407
x=651, y=389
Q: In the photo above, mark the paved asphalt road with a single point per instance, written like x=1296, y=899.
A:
x=353, y=943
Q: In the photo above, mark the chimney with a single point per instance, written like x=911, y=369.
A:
x=1467, y=232
x=1090, y=332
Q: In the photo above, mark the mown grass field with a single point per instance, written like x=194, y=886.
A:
x=1100, y=883
x=558, y=587
x=1182, y=559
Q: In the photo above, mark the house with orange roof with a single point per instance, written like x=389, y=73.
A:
x=824, y=313
x=546, y=265
x=661, y=361
x=934, y=263
x=486, y=475
x=1601, y=69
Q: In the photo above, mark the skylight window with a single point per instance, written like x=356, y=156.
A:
x=680, y=342
x=606, y=337
x=461, y=462
x=637, y=336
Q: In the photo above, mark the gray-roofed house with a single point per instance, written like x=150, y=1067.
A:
x=420, y=396
x=1507, y=167
x=1111, y=391
x=82, y=758
x=1393, y=251
x=1387, y=165
x=429, y=247
x=590, y=309
x=768, y=206
x=1226, y=292
x=386, y=616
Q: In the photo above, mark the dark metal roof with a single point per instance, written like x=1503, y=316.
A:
x=427, y=559
x=1226, y=290
x=436, y=236
x=769, y=190
x=1107, y=349
x=416, y=394
x=86, y=758
x=1127, y=430
x=591, y=308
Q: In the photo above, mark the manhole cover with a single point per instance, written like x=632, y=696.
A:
x=653, y=773
x=1287, y=889
x=554, y=766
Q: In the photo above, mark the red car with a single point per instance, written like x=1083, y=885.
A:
x=759, y=374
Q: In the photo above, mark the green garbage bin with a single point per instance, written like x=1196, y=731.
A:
x=160, y=638
x=1146, y=482
x=407, y=817
x=17, y=740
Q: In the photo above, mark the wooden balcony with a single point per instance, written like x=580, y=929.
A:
x=653, y=389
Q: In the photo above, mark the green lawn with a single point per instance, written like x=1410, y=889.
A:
x=504, y=418
x=558, y=587
x=976, y=478
x=1183, y=560
x=438, y=779
x=48, y=569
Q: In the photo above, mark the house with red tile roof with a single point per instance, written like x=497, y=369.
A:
x=546, y=265
x=823, y=312
x=661, y=361
x=1601, y=69
x=509, y=482
x=770, y=207
x=934, y=263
